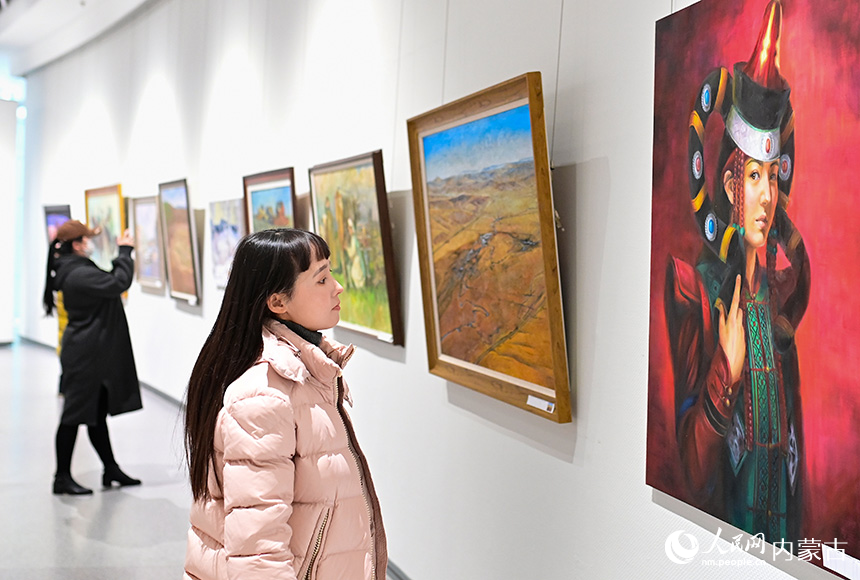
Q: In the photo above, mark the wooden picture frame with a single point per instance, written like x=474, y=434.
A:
x=270, y=200
x=55, y=216
x=105, y=210
x=148, y=242
x=485, y=224
x=349, y=206
x=180, y=241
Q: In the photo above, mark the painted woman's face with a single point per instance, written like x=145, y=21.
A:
x=761, y=194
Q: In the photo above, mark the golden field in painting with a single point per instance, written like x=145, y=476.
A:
x=488, y=264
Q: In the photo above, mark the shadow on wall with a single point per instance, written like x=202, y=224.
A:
x=581, y=198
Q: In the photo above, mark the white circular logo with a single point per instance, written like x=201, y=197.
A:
x=679, y=553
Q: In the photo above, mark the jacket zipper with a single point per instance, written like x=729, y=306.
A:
x=317, y=545
x=351, y=446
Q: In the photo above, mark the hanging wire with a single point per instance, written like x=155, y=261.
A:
x=557, y=74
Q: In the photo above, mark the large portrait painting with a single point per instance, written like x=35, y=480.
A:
x=753, y=394
x=179, y=241
x=270, y=200
x=55, y=216
x=487, y=247
x=105, y=211
x=228, y=227
x=148, y=248
x=350, y=210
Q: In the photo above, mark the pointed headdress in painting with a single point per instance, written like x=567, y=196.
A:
x=755, y=107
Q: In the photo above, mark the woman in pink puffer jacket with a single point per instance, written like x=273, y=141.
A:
x=281, y=488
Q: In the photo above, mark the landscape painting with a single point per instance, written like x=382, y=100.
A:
x=148, y=250
x=753, y=394
x=180, y=250
x=270, y=200
x=350, y=211
x=228, y=227
x=105, y=211
x=487, y=246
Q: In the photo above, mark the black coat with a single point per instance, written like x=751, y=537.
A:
x=96, y=344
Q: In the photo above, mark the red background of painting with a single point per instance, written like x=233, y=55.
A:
x=820, y=59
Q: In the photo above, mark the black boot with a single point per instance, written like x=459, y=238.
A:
x=65, y=485
x=115, y=474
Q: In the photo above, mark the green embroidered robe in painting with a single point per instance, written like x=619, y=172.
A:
x=763, y=488
x=741, y=446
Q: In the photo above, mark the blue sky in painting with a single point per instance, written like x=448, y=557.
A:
x=175, y=196
x=494, y=140
x=270, y=198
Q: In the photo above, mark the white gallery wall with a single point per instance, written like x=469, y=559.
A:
x=8, y=216
x=211, y=90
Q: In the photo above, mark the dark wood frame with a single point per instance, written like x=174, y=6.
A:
x=249, y=183
x=64, y=210
x=392, y=281
x=549, y=402
x=159, y=281
x=192, y=299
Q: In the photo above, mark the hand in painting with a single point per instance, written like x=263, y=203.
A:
x=126, y=239
x=732, y=335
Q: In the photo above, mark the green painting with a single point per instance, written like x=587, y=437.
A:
x=350, y=212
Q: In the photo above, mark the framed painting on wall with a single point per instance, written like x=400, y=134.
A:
x=487, y=247
x=106, y=211
x=753, y=397
x=55, y=216
x=350, y=210
x=180, y=249
x=228, y=227
x=270, y=200
x=148, y=245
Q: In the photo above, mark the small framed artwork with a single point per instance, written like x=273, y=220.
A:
x=55, y=216
x=180, y=249
x=106, y=211
x=228, y=227
x=148, y=246
x=270, y=200
x=487, y=247
x=350, y=210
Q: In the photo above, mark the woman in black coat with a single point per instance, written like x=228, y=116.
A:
x=98, y=372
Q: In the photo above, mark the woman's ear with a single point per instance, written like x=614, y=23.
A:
x=729, y=186
x=277, y=303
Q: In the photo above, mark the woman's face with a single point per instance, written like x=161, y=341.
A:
x=85, y=247
x=761, y=193
x=315, y=303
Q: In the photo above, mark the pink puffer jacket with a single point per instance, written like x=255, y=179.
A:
x=297, y=500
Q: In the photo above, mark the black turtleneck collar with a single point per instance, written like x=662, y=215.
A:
x=312, y=336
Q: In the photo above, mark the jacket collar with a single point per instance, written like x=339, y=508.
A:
x=296, y=359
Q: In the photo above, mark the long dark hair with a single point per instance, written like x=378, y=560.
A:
x=265, y=263
x=56, y=249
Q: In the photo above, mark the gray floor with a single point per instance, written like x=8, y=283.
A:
x=133, y=533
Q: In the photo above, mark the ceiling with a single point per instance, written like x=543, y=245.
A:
x=36, y=32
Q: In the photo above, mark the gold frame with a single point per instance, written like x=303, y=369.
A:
x=106, y=192
x=551, y=401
